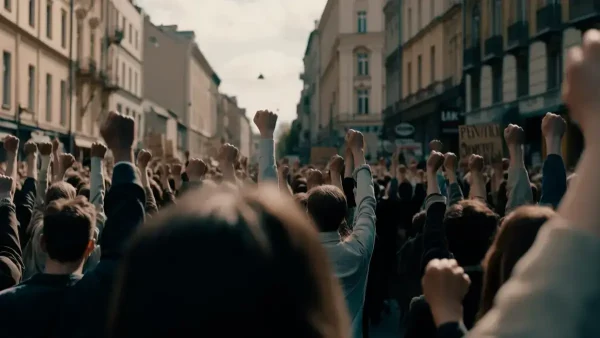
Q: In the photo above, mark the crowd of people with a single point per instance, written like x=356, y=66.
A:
x=146, y=248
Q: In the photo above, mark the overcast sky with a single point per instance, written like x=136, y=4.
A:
x=244, y=38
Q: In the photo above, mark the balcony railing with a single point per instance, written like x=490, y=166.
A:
x=583, y=9
x=518, y=35
x=493, y=48
x=548, y=18
x=357, y=118
x=115, y=37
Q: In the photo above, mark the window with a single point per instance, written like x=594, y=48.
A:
x=362, y=60
x=63, y=102
x=49, y=19
x=522, y=76
x=497, y=83
x=92, y=45
x=124, y=24
x=419, y=72
x=8, y=5
x=409, y=30
x=6, y=79
x=409, y=78
x=137, y=41
x=48, y=97
x=475, y=90
x=432, y=64
x=130, y=34
x=363, y=101
x=32, y=13
x=119, y=108
x=63, y=28
x=496, y=22
x=521, y=10
x=126, y=111
x=31, y=89
x=129, y=79
x=123, y=74
x=135, y=83
x=432, y=10
x=475, y=24
x=554, y=69
x=362, y=22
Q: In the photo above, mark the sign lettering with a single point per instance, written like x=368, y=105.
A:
x=482, y=139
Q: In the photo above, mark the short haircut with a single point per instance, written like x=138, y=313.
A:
x=74, y=179
x=68, y=227
x=60, y=190
x=470, y=229
x=327, y=205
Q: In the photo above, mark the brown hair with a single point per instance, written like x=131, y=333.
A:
x=516, y=235
x=59, y=190
x=256, y=249
x=327, y=205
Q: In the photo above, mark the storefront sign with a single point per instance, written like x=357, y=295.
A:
x=451, y=119
x=404, y=129
x=482, y=139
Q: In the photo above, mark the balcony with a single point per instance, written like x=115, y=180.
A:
x=87, y=68
x=518, y=36
x=358, y=118
x=115, y=37
x=492, y=49
x=583, y=14
x=548, y=21
x=110, y=83
x=472, y=57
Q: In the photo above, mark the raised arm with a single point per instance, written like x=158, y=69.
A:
x=554, y=175
x=455, y=193
x=97, y=189
x=25, y=203
x=228, y=155
x=266, y=122
x=336, y=168
x=518, y=185
x=477, y=190
x=11, y=257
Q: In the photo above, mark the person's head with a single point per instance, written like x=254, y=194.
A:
x=74, y=178
x=327, y=206
x=256, y=237
x=68, y=231
x=84, y=190
x=405, y=191
x=60, y=190
x=418, y=221
x=470, y=228
x=515, y=236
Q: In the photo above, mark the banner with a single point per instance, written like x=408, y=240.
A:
x=483, y=139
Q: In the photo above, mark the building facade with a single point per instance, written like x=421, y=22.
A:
x=245, y=136
x=514, y=64
x=352, y=80
x=188, y=87
x=393, y=61
x=236, y=125
x=431, y=102
x=35, y=43
x=308, y=108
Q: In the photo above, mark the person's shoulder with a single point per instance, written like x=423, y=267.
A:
x=11, y=295
x=418, y=303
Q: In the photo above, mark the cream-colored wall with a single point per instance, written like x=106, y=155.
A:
x=202, y=99
x=134, y=23
x=410, y=55
x=245, y=137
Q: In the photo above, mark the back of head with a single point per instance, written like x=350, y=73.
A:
x=257, y=250
x=405, y=191
x=515, y=236
x=327, y=206
x=60, y=190
x=74, y=178
x=470, y=228
x=68, y=228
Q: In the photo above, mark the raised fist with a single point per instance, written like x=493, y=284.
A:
x=30, y=148
x=314, y=178
x=450, y=161
x=66, y=161
x=553, y=125
x=412, y=166
x=581, y=83
x=475, y=163
x=436, y=145
x=196, y=169
x=420, y=175
x=244, y=162
x=165, y=170
x=402, y=170
x=228, y=153
x=336, y=164
x=143, y=158
x=283, y=171
x=98, y=150
x=45, y=148
x=514, y=135
x=55, y=145
x=445, y=284
x=11, y=144
x=7, y=186
x=118, y=131
x=265, y=121
x=435, y=161
x=176, y=169
x=355, y=140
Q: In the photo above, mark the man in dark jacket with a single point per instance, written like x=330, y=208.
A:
x=87, y=304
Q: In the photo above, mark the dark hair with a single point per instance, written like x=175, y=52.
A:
x=405, y=191
x=516, y=235
x=58, y=190
x=327, y=205
x=418, y=221
x=68, y=227
x=74, y=179
x=260, y=237
x=470, y=228
x=84, y=190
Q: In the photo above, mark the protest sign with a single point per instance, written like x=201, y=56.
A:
x=482, y=139
x=155, y=143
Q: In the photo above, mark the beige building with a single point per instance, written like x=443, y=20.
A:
x=236, y=125
x=34, y=42
x=431, y=74
x=352, y=80
x=178, y=78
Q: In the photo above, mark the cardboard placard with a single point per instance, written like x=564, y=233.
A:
x=155, y=143
x=321, y=155
x=482, y=139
